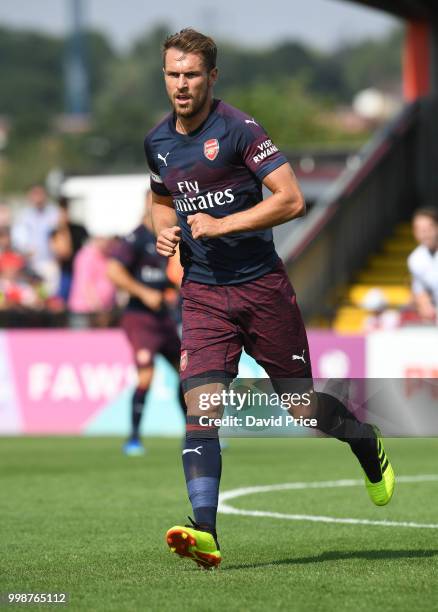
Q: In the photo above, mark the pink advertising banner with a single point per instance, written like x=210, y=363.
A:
x=335, y=356
x=63, y=378
x=74, y=382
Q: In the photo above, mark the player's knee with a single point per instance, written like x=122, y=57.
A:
x=145, y=377
x=206, y=400
x=143, y=358
x=205, y=395
x=305, y=406
x=301, y=410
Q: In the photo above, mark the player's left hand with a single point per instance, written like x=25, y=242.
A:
x=204, y=226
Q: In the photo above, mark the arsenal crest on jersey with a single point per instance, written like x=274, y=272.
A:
x=211, y=148
x=183, y=361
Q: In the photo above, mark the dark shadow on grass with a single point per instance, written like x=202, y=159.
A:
x=334, y=555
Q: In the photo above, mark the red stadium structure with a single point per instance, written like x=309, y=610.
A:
x=420, y=61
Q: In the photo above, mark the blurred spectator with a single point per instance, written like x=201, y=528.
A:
x=379, y=315
x=91, y=290
x=61, y=247
x=18, y=286
x=5, y=234
x=31, y=231
x=78, y=233
x=65, y=242
x=5, y=216
x=423, y=263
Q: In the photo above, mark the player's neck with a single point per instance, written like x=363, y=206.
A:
x=147, y=222
x=186, y=125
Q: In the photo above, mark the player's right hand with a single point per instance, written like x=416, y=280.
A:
x=168, y=240
x=152, y=298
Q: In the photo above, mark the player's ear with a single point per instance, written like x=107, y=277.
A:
x=213, y=76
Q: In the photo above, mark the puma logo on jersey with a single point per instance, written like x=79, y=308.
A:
x=300, y=357
x=251, y=121
x=163, y=159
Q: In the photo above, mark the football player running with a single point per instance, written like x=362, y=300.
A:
x=208, y=162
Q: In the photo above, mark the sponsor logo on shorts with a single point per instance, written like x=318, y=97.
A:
x=211, y=148
x=184, y=361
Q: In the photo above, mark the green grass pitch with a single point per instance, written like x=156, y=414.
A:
x=78, y=516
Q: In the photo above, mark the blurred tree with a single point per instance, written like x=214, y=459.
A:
x=290, y=115
x=100, y=55
x=31, y=73
x=132, y=100
x=30, y=163
x=371, y=63
x=239, y=67
x=290, y=88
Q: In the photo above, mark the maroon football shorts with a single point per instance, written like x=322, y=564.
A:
x=150, y=333
x=261, y=316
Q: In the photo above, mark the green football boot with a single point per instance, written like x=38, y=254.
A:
x=381, y=492
x=193, y=543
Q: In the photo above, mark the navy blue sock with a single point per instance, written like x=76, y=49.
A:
x=202, y=463
x=137, y=406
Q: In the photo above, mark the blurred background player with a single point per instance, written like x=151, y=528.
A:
x=136, y=268
x=423, y=264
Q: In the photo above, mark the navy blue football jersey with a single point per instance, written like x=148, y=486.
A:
x=216, y=169
x=137, y=252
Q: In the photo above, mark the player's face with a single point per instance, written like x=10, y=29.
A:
x=426, y=231
x=188, y=83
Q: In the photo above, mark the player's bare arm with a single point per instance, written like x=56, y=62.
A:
x=425, y=306
x=165, y=225
x=285, y=203
x=122, y=279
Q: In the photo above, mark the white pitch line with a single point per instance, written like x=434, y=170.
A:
x=328, y=484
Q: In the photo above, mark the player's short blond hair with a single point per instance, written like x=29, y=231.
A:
x=191, y=41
